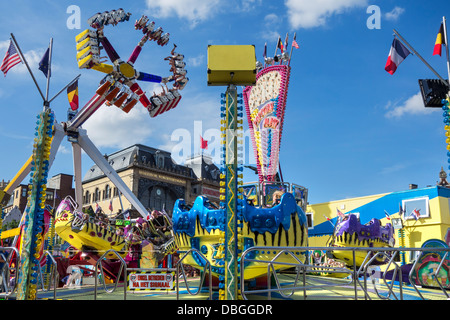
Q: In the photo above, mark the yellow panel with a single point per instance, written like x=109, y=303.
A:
x=83, y=52
x=226, y=59
x=83, y=44
x=103, y=67
x=10, y=233
x=84, y=62
x=83, y=35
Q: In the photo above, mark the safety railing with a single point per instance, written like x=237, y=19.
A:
x=357, y=277
x=8, y=287
x=123, y=268
x=53, y=274
x=206, y=263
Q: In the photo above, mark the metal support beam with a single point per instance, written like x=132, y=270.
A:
x=87, y=145
x=58, y=136
x=231, y=255
x=76, y=150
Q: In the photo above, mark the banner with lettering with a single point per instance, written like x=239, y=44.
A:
x=151, y=281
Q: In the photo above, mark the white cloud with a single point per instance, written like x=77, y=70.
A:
x=64, y=150
x=394, y=14
x=271, y=25
x=196, y=61
x=4, y=46
x=392, y=169
x=309, y=14
x=196, y=11
x=413, y=105
x=193, y=10
x=111, y=127
x=248, y=5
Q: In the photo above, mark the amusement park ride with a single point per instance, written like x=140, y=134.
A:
x=270, y=212
x=119, y=88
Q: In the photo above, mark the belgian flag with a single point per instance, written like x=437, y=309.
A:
x=280, y=45
x=440, y=40
x=72, y=94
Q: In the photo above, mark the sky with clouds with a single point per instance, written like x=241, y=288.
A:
x=351, y=129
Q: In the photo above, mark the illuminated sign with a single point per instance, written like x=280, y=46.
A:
x=265, y=104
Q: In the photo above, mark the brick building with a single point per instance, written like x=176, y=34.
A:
x=58, y=187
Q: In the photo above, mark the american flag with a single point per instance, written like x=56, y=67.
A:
x=11, y=58
x=294, y=41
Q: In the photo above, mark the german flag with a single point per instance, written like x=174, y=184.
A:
x=72, y=94
x=440, y=40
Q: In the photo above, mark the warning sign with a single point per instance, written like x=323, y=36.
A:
x=160, y=281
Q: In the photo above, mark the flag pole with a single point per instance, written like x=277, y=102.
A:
x=281, y=174
x=46, y=104
x=26, y=64
x=70, y=83
x=265, y=54
x=286, y=40
x=446, y=45
x=276, y=47
x=420, y=57
x=329, y=220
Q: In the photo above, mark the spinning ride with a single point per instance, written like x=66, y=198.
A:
x=119, y=87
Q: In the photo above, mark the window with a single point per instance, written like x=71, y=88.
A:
x=87, y=197
x=309, y=220
x=96, y=195
x=415, y=206
x=107, y=192
x=49, y=195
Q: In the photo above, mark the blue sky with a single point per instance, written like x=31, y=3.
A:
x=351, y=129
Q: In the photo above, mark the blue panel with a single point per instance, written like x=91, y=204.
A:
x=149, y=77
x=375, y=209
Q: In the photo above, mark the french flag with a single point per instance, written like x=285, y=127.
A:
x=397, y=54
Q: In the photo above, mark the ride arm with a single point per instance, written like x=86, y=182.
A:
x=112, y=54
x=135, y=54
x=87, y=145
x=143, y=76
x=103, y=67
x=143, y=99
